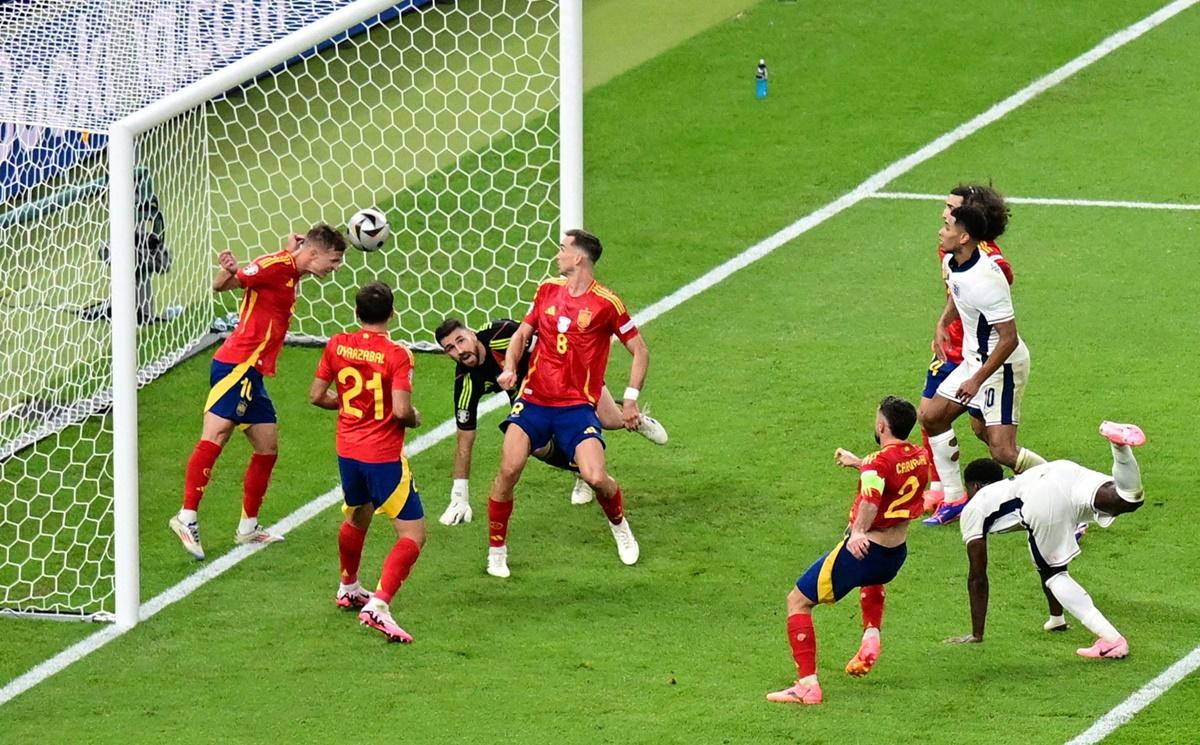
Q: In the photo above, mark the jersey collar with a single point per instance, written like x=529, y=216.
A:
x=956, y=267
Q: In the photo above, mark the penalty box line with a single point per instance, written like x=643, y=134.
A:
x=865, y=190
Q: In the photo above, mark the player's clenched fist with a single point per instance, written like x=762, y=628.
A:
x=506, y=380
x=228, y=262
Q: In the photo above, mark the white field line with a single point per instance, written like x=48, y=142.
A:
x=1139, y=699
x=864, y=190
x=1048, y=201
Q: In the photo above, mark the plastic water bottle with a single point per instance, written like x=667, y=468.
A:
x=760, y=80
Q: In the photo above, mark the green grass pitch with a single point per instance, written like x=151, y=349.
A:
x=758, y=379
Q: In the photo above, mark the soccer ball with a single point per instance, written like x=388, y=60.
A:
x=368, y=229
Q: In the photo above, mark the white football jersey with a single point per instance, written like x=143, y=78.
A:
x=983, y=298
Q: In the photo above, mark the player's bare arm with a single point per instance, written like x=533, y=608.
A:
x=977, y=589
x=226, y=278
x=321, y=395
x=464, y=444
x=403, y=409
x=1007, y=344
x=637, y=377
x=516, y=348
x=846, y=459
x=940, y=338
x=858, y=543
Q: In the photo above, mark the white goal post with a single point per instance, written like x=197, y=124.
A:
x=454, y=173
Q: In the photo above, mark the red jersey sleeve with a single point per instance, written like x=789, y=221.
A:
x=266, y=270
x=871, y=479
x=402, y=368
x=325, y=365
x=993, y=249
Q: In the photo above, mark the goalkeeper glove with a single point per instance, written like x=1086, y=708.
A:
x=459, y=510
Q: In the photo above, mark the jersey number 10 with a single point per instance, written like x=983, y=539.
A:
x=354, y=379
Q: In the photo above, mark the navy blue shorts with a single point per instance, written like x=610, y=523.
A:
x=567, y=426
x=387, y=486
x=238, y=394
x=838, y=572
x=937, y=372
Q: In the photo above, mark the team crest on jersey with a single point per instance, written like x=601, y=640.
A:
x=954, y=288
x=564, y=323
x=585, y=317
x=251, y=270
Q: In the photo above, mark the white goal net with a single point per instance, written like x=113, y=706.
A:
x=444, y=115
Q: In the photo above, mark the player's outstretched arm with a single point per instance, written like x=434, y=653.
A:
x=637, y=377
x=226, y=278
x=459, y=509
x=321, y=396
x=512, y=358
x=847, y=459
x=977, y=589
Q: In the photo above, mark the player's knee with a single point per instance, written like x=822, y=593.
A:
x=593, y=474
x=932, y=419
x=798, y=602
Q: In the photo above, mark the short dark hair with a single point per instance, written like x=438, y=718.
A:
x=900, y=415
x=326, y=237
x=991, y=202
x=373, y=303
x=983, y=471
x=971, y=219
x=587, y=242
x=447, y=327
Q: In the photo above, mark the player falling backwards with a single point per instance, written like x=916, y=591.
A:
x=479, y=357
x=1048, y=501
x=371, y=379
x=238, y=397
x=949, y=354
x=891, y=490
x=575, y=318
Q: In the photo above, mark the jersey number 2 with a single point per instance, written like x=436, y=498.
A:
x=356, y=384
x=906, y=493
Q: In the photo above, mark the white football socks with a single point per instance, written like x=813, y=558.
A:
x=1126, y=473
x=187, y=517
x=1027, y=459
x=945, y=457
x=1076, y=600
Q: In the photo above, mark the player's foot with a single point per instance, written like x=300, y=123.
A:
x=352, y=597
x=861, y=663
x=1108, y=650
x=946, y=513
x=581, y=493
x=1056, y=623
x=1122, y=434
x=258, y=535
x=933, y=499
x=652, y=429
x=377, y=616
x=798, y=694
x=497, y=564
x=189, y=536
x=627, y=545
x=1080, y=531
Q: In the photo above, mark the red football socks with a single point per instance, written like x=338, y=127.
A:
x=871, y=599
x=803, y=639
x=498, y=514
x=933, y=472
x=396, y=567
x=350, y=546
x=614, y=508
x=258, y=475
x=199, y=470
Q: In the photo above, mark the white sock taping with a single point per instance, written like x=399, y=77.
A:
x=1126, y=473
x=1027, y=459
x=945, y=457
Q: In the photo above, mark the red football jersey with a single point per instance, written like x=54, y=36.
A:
x=367, y=366
x=574, y=337
x=953, y=348
x=903, y=470
x=269, y=297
